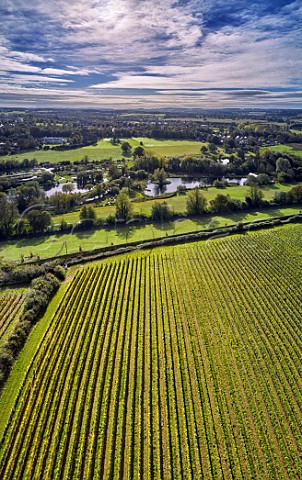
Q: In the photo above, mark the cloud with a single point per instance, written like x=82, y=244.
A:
x=161, y=52
x=30, y=79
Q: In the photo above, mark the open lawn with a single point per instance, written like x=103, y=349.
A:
x=169, y=148
x=55, y=245
x=176, y=203
x=293, y=148
x=105, y=150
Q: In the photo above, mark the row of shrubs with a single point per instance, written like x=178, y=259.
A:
x=9, y=274
x=41, y=291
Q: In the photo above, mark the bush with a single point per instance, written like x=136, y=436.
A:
x=58, y=271
x=161, y=212
x=218, y=184
x=6, y=359
x=37, y=299
x=29, y=316
x=110, y=220
x=141, y=216
x=181, y=189
x=238, y=227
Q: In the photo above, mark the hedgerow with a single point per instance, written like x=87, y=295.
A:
x=36, y=301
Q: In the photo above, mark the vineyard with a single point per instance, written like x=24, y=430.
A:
x=179, y=363
x=10, y=309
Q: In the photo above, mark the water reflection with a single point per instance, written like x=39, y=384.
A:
x=155, y=190
x=59, y=188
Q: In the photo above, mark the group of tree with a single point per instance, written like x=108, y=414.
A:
x=294, y=195
x=61, y=202
x=89, y=177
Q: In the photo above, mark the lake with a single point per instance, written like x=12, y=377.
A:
x=154, y=190
x=59, y=187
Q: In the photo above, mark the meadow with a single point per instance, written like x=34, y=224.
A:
x=105, y=150
x=293, y=148
x=46, y=246
x=182, y=362
x=176, y=203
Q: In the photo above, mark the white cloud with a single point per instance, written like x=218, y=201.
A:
x=29, y=79
x=159, y=45
x=122, y=30
x=28, y=57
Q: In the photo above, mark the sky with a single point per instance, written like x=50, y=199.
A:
x=151, y=54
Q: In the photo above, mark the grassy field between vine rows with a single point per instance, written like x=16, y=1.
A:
x=105, y=150
x=46, y=246
x=178, y=363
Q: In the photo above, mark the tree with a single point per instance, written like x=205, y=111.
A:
x=146, y=162
x=8, y=215
x=221, y=203
x=160, y=212
x=212, y=148
x=295, y=194
x=196, y=202
x=87, y=217
x=123, y=207
x=284, y=171
x=99, y=190
x=29, y=194
x=281, y=198
x=254, y=196
x=283, y=165
x=113, y=171
x=159, y=176
x=218, y=184
x=67, y=188
x=39, y=220
x=87, y=213
x=263, y=179
x=126, y=148
x=251, y=180
x=181, y=189
x=138, y=151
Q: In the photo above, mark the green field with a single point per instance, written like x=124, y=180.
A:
x=293, y=148
x=176, y=203
x=179, y=363
x=54, y=245
x=105, y=150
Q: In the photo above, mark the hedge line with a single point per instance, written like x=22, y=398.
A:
x=41, y=291
x=240, y=227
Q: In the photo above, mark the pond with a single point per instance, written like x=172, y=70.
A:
x=154, y=190
x=59, y=187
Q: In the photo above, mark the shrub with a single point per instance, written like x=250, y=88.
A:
x=161, y=212
x=41, y=291
x=218, y=184
x=58, y=271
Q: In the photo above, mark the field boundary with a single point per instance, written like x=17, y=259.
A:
x=210, y=234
